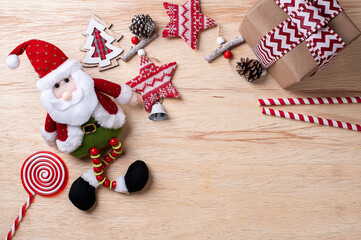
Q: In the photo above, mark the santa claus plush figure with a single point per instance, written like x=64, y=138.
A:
x=82, y=118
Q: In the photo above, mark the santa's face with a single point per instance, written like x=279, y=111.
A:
x=64, y=88
x=71, y=100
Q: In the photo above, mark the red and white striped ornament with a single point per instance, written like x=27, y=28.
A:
x=311, y=119
x=307, y=101
x=42, y=173
x=19, y=217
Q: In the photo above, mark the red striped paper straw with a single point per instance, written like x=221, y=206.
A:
x=311, y=119
x=307, y=101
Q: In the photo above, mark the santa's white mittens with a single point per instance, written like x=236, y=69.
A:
x=107, y=120
x=74, y=139
x=13, y=61
x=125, y=94
x=49, y=137
x=121, y=187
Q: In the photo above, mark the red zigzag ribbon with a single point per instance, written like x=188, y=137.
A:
x=307, y=21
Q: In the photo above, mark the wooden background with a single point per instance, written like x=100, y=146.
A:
x=219, y=168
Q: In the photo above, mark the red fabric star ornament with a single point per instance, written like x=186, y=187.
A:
x=153, y=82
x=186, y=21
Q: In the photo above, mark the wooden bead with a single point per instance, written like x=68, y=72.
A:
x=96, y=161
x=94, y=151
x=113, y=142
x=220, y=40
x=100, y=177
x=227, y=54
x=108, y=159
x=103, y=166
x=141, y=52
x=135, y=40
x=114, y=184
x=113, y=153
x=106, y=183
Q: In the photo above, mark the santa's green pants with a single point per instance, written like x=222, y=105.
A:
x=99, y=138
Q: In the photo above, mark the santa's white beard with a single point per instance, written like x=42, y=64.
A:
x=79, y=109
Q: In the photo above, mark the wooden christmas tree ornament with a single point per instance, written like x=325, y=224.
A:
x=102, y=45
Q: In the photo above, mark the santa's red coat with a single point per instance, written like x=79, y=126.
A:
x=108, y=115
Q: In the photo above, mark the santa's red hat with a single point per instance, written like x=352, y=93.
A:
x=51, y=64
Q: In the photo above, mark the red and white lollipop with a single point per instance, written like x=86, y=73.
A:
x=42, y=173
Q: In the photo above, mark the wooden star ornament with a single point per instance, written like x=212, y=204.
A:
x=186, y=21
x=153, y=82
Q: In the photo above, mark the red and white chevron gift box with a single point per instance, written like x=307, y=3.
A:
x=294, y=39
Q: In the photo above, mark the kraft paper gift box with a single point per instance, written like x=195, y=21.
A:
x=298, y=63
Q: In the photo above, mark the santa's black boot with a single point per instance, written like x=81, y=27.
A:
x=82, y=191
x=134, y=180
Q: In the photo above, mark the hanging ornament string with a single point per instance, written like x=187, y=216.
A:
x=154, y=58
x=142, y=53
x=42, y=173
x=220, y=40
x=219, y=29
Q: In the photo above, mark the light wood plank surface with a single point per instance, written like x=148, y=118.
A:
x=219, y=168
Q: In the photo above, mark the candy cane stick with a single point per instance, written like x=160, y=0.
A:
x=42, y=173
x=311, y=119
x=19, y=217
x=307, y=101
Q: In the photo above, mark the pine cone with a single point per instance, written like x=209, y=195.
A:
x=142, y=25
x=251, y=69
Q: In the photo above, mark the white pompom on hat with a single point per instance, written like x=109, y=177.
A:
x=13, y=61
